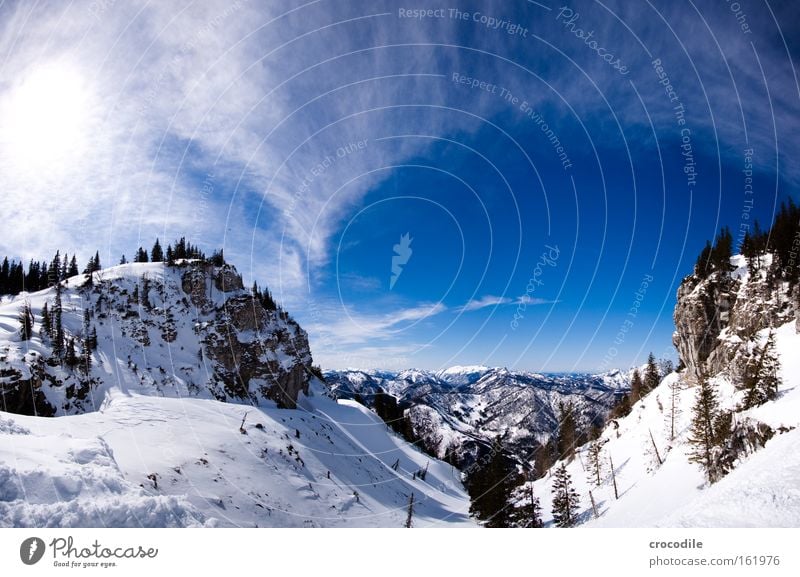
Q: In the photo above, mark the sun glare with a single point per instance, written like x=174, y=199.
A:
x=45, y=119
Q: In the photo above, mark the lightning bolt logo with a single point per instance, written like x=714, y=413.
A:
x=402, y=253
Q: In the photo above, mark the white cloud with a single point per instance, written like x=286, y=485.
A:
x=491, y=301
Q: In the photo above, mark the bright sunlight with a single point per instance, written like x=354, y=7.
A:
x=45, y=119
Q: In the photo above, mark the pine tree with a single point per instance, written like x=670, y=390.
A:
x=180, y=249
x=565, y=498
x=674, y=407
x=26, y=322
x=535, y=509
x=70, y=356
x=157, y=254
x=123, y=260
x=73, y=267
x=702, y=267
x=722, y=251
x=567, y=430
x=595, y=462
x=141, y=255
x=54, y=271
x=90, y=266
x=47, y=326
x=490, y=487
x=637, y=387
x=57, y=335
x=760, y=378
x=703, y=438
x=651, y=374
x=86, y=357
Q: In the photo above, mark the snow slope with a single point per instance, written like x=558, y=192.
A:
x=762, y=491
x=97, y=469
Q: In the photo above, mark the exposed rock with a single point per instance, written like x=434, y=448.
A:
x=193, y=283
x=716, y=316
x=24, y=395
x=226, y=279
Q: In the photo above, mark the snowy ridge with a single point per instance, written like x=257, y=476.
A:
x=326, y=464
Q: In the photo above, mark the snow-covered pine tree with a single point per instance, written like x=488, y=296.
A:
x=595, y=462
x=651, y=374
x=25, y=322
x=565, y=498
x=674, y=410
x=46, y=328
x=760, y=379
x=70, y=355
x=703, y=437
x=57, y=334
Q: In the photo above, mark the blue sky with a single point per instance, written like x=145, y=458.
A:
x=531, y=151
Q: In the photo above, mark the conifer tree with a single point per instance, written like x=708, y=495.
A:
x=565, y=498
x=57, y=335
x=73, y=267
x=54, y=271
x=703, y=266
x=86, y=357
x=567, y=430
x=535, y=509
x=760, y=379
x=90, y=266
x=157, y=254
x=595, y=462
x=490, y=487
x=637, y=387
x=46, y=323
x=70, y=356
x=141, y=255
x=26, y=321
x=703, y=437
x=123, y=260
x=651, y=374
x=674, y=407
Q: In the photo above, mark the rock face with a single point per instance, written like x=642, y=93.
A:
x=189, y=329
x=717, y=317
x=702, y=312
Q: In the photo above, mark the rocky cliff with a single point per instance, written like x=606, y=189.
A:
x=717, y=317
x=189, y=329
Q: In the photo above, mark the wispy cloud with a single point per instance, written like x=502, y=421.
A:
x=491, y=301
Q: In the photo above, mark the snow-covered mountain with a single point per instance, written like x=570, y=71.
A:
x=723, y=323
x=188, y=330
x=199, y=407
x=456, y=413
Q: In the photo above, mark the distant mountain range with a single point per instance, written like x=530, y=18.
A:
x=456, y=413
